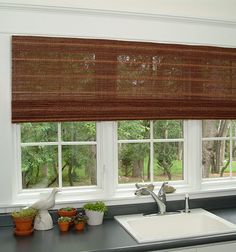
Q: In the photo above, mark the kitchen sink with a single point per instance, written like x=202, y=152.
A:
x=198, y=222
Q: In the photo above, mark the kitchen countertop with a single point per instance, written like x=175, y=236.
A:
x=107, y=237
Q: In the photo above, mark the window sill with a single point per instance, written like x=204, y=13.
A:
x=121, y=197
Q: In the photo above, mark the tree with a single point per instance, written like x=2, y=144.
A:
x=39, y=163
x=213, y=152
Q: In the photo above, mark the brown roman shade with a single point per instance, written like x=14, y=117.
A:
x=73, y=79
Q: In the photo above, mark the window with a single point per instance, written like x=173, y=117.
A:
x=150, y=151
x=58, y=154
x=65, y=154
x=218, y=149
x=104, y=160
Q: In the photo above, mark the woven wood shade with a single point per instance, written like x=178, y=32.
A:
x=65, y=79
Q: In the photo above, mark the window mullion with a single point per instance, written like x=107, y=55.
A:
x=231, y=151
x=193, y=150
x=109, y=163
x=59, y=156
x=151, y=153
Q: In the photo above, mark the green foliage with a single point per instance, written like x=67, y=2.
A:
x=133, y=130
x=38, y=132
x=80, y=217
x=98, y=206
x=25, y=213
x=40, y=163
x=168, y=129
x=64, y=219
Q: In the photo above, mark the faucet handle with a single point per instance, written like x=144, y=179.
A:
x=161, y=194
x=161, y=190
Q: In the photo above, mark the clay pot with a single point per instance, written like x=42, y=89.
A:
x=64, y=213
x=80, y=226
x=63, y=226
x=23, y=224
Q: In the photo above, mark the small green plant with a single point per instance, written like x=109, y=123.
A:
x=98, y=206
x=25, y=213
x=64, y=219
x=80, y=217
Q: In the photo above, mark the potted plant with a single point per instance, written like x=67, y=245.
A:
x=80, y=220
x=67, y=212
x=64, y=223
x=95, y=212
x=23, y=220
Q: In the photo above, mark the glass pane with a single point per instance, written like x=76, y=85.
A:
x=39, y=167
x=215, y=159
x=215, y=128
x=38, y=132
x=168, y=161
x=79, y=165
x=233, y=128
x=78, y=131
x=133, y=130
x=134, y=163
x=166, y=129
x=234, y=158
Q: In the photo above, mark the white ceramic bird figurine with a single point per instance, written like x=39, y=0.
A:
x=47, y=203
x=43, y=220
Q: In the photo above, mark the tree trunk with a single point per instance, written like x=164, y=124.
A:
x=207, y=148
x=70, y=175
x=92, y=166
x=222, y=131
x=137, y=168
x=149, y=169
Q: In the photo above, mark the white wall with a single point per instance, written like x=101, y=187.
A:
x=209, y=9
x=83, y=21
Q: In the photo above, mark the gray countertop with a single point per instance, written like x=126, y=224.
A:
x=107, y=237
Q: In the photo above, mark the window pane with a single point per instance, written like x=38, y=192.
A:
x=133, y=130
x=215, y=159
x=134, y=163
x=78, y=131
x=234, y=158
x=233, y=128
x=215, y=128
x=168, y=161
x=166, y=129
x=38, y=132
x=39, y=167
x=79, y=165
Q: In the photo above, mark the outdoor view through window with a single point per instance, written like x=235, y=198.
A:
x=65, y=154
x=218, y=148
x=54, y=154
x=150, y=151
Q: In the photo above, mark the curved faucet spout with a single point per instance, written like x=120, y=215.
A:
x=160, y=199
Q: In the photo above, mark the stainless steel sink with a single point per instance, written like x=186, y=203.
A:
x=174, y=226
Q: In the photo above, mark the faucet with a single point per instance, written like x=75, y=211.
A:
x=187, y=210
x=160, y=198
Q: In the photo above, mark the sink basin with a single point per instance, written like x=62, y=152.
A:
x=174, y=226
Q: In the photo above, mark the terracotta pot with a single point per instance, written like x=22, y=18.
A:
x=80, y=226
x=63, y=213
x=64, y=226
x=23, y=224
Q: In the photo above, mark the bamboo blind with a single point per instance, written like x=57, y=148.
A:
x=73, y=79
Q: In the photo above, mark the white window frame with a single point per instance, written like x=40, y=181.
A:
x=107, y=171
x=221, y=182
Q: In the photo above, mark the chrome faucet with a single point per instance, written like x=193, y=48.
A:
x=160, y=198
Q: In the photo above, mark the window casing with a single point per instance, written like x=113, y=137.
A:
x=108, y=187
